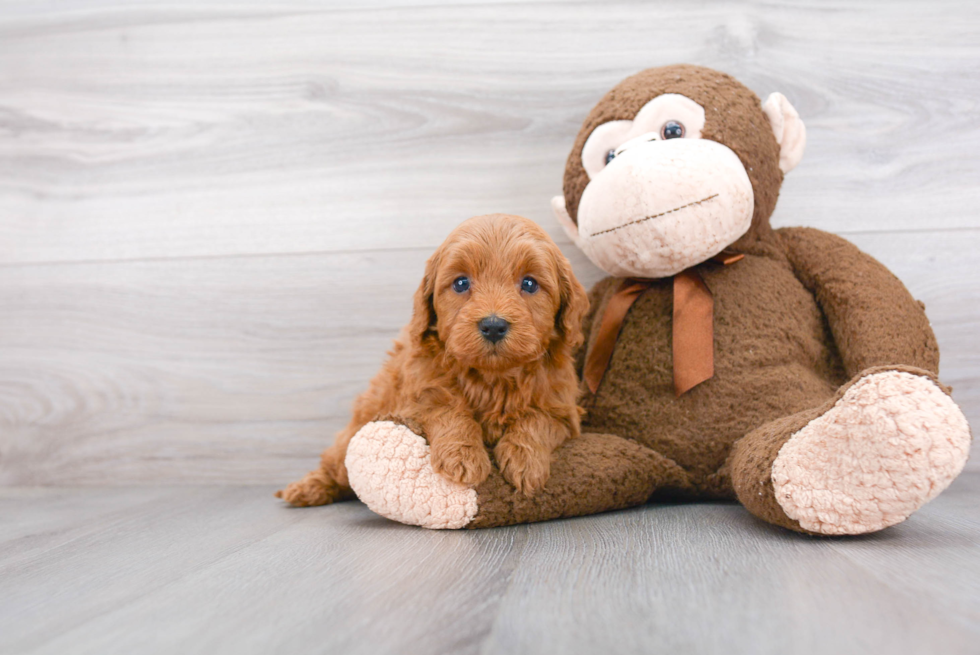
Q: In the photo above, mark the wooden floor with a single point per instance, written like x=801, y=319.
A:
x=225, y=570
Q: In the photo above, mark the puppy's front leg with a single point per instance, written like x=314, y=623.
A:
x=523, y=454
x=457, y=447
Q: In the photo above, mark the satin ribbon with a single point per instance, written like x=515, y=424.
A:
x=692, y=333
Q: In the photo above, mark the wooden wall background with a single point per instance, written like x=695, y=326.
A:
x=213, y=214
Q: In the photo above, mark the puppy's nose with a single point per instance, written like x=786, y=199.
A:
x=493, y=328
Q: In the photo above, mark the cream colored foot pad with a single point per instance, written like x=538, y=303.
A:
x=892, y=443
x=389, y=470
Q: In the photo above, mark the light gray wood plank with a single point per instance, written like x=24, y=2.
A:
x=240, y=370
x=205, y=564
x=216, y=570
x=75, y=13
x=938, y=549
x=152, y=130
x=153, y=369
x=24, y=530
x=676, y=584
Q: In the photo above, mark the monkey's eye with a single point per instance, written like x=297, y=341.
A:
x=529, y=284
x=671, y=130
x=461, y=284
x=610, y=155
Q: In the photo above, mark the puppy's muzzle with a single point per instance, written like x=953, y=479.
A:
x=493, y=328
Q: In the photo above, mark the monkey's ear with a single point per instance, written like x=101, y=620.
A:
x=424, y=311
x=788, y=128
x=566, y=222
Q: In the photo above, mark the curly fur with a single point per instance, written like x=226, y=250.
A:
x=462, y=392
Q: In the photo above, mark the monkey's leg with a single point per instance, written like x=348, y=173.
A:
x=388, y=467
x=890, y=441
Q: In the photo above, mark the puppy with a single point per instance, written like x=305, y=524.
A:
x=485, y=362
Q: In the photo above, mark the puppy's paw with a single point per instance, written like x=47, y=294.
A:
x=463, y=463
x=314, y=489
x=523, y=467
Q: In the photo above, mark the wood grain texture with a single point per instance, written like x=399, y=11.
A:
x=213, y=215
x=226, y=570
x=153, y=131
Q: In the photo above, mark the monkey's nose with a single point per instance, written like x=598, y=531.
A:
x=493, y=328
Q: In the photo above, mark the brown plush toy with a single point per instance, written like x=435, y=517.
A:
x=723, y=359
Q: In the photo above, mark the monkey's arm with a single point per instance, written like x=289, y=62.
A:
x=873, y=317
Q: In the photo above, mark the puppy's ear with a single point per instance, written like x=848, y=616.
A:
x=574, y=303
x=424, y=313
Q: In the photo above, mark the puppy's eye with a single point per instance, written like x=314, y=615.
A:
x=529, y=284
x=610, y=155
x=671, y=130
x=461, y=284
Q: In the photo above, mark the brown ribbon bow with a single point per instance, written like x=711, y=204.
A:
x=692, y=338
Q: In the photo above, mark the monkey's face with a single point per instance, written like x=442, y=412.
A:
x=654, y=194
x=660, y=198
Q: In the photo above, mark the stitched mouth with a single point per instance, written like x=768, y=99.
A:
x=653, y=216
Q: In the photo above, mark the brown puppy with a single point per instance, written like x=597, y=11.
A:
x=486, y=361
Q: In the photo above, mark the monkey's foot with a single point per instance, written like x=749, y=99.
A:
x=889, y=445
x=390, y=470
